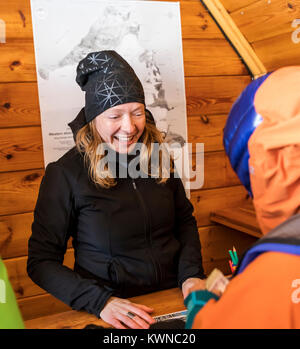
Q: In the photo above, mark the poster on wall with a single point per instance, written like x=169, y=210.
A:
x=146, y=33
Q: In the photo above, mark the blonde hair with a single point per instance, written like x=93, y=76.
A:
x=88, y=142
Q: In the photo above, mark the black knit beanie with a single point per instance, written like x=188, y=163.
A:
x=108, y=80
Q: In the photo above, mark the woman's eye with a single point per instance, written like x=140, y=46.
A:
x=114, y=117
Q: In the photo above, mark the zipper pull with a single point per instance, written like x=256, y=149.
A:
x=134, y=185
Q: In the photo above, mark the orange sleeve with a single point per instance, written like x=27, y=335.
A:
x=260, y=297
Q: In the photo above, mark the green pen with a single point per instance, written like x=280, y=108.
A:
x=235, y=256
x=232, y=257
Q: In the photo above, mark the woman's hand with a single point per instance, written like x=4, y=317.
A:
x=121, y=313
x=192, y=284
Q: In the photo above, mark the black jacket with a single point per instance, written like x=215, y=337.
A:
x=134, y=238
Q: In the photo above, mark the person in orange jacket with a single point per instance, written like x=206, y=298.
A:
x=265, y=289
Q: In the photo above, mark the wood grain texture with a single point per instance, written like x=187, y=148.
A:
x=21, y=149
x=207, y=129
x=196, y=23
x=17, y=62
x=207, y=200
x=19, y=190
x=15, y=231
x=236, y=38
x=218, y=172
x=195, y=20
x=241, y=218
x=17, y=16
x=163, y=302
x=211, y=57
x=234, y=5
x=41, y=305
x=22, y=285
x=262, y=20
x=278, y=51
x=213, y=95
x=19, y=105
x=217, y=240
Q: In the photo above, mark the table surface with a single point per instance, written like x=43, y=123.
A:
x=163, y=302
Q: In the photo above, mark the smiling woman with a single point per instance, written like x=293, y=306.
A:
x=131, y=234
x=122, y=126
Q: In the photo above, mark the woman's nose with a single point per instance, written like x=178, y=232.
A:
x=128, y=125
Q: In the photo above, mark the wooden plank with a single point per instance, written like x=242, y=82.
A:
x=42, y=305
x=217, y=240
x=21, y=149
x=17, y=62
x=15, y=231
x=207, y=200
x=213, y=95
x=234, y=5
x=17, y=17
x=217, y=170
x=19, y=105
x=196, y=23
x=239, y=218
x=211, y=57
x=265, y=19
x=278, y=51
x=22, y=285
x=19, y=190
x=207, y=129
x=235, y=36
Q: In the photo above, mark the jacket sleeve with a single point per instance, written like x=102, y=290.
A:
x=54, y=221
x=190, y=259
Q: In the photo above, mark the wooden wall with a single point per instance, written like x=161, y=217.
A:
x=267, y=25
x=214, y=77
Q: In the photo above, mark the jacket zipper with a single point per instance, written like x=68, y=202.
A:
x=147, y=232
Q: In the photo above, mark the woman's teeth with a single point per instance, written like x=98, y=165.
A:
x=124, y=139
